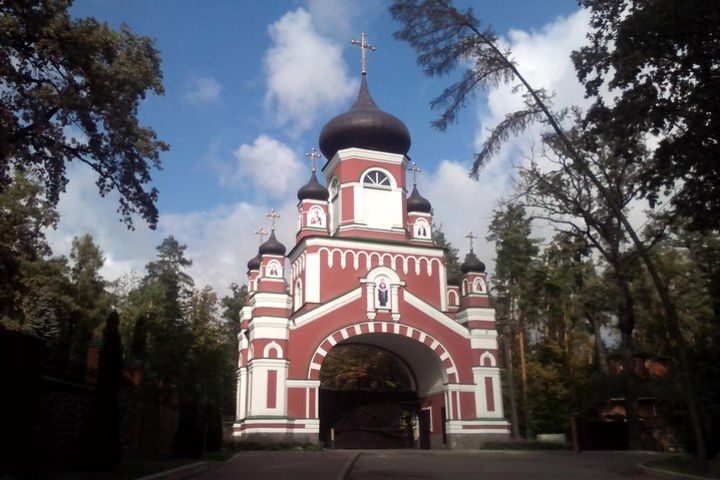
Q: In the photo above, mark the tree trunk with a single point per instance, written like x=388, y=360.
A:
x=600, y=348
x=523, y=380
x=515, y=432
x=626, y=324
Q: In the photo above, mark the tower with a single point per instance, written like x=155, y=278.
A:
x=364, y=269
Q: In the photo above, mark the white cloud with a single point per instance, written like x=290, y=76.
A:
x=543, y=58
x=461, y=204
x=269, y=165
x=220, y=240
x=203, y=90
x=339, y=18
x=82, y=211
x=306, y=75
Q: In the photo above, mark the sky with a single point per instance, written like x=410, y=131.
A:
x=250, y=84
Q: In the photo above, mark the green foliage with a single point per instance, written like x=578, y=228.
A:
x=233, y=304
x=362, y=367
x=661, y=61
x=71, y=91
x=452, y=262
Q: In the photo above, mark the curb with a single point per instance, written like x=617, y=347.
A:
x=660, y=473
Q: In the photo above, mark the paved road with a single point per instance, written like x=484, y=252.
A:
x=430, y=465
x=417, y=465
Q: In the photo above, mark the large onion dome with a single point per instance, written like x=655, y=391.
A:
x=418, y=203
x=272, y=246
x=254, y=263
x=364, y=126
x=313, y=190
x=472, y=264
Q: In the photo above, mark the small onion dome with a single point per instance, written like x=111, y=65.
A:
x=472, y=264
x=313, y=190
x=418, y=203
x=254, y=263
x=272, y=246
x=364, y=126
x=453, y=280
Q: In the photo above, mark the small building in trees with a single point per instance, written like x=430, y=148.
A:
x=364, y=270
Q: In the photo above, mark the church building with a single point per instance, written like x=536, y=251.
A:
x=364, y=269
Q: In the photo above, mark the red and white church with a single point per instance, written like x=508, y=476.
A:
x=364, y=269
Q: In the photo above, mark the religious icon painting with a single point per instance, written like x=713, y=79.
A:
x=273, y=269
x=316, y=217
x=422, y=229
x=479, y=285
x=382, y=292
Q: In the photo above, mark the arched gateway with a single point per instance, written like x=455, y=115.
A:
x=365, y=270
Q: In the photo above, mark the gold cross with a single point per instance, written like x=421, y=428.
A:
x=312, y=155
x=260, y=232
x=363, y=46
x=415, y=169
x=272, y=215
x=471, y=237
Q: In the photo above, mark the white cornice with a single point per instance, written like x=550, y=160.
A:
x=333, y=305
x=363, y=154
x=435, y=314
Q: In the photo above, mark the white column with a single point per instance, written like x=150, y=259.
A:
x=370, y=300
x=241, y=406
x=394, y=302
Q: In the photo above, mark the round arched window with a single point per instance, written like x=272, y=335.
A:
x=376, y=178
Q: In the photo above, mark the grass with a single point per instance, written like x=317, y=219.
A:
x=128, y=469
x=685, y=464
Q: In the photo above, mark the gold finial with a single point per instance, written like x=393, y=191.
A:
x=313, y=155
x=363, y=47
x=260, y=232
x=472, y=238
x=272, y=215
x=415, y=169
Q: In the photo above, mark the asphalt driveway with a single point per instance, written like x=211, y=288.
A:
x=430, y=465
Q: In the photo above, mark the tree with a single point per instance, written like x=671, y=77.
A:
x=101, y=438
x=510, y=230
x=452, y=262
x=24, y=214
x=91, y=301
x=71, y=91
x=445, y=37
x=233, y=304
x=661, y=61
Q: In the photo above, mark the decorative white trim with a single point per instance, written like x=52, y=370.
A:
x=302, y=383
x=331, y=306
x=435, y=314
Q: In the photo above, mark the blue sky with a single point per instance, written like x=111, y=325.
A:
x=249, y=85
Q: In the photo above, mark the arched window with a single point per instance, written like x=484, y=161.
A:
x=376, y=178
x=298, y=297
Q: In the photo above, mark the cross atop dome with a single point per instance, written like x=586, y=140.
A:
x=313, y=155
x=260, y=232
x=363, y=47
x=416, y=170
x=272, y=215
x=472, y=238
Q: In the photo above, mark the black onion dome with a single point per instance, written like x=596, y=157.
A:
x=254, y=263
x=472, y=264
x=364, y=126
x=313, y=190
x=272, y=246
x=418, y=203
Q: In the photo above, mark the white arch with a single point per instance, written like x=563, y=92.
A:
x=393, y=183
x=488, y=356
x=273, y=346
x=353, y=330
